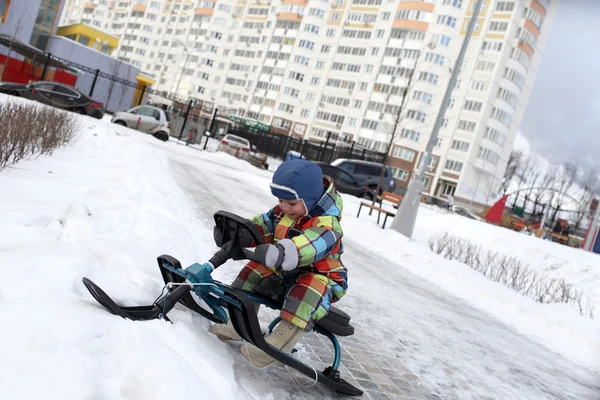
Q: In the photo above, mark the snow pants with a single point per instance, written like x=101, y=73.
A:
x=308, y=295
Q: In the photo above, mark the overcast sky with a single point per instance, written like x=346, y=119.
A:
x=562, y=119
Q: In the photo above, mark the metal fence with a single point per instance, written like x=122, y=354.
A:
x=276, y=145
x=189, y=119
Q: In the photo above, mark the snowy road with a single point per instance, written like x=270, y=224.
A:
x=453, y=348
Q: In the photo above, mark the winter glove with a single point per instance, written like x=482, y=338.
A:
x=284, y=254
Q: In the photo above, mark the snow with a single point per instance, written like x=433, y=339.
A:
x=107, y=205
x=575, y=266
x=104, y=207
x=556, y=326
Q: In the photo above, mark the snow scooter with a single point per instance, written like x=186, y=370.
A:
x=236, y=233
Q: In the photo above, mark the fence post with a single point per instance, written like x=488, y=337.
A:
x=351, y=150
x=331, y=154
x=185, y=118
x=94, y=82
x=45, y=66
x=210, y=126
x=286, y=146
x=302, y=148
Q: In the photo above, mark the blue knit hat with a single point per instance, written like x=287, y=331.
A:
x=299, y=180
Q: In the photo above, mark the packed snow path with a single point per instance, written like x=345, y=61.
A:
x=442, y=345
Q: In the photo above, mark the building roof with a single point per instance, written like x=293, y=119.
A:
x=29, y=51
x=89, y=32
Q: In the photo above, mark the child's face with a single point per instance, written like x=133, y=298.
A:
x=293, y=208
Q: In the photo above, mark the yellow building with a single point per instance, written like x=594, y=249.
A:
x=107, y=44
x=91, y=37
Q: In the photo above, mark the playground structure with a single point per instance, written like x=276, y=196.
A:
x=535, y=224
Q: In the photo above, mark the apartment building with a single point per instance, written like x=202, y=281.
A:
x=350, y=70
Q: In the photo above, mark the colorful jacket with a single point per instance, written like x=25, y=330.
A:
x=318, y=236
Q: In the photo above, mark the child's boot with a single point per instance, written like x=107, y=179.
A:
x=284, y=337
x=227, y=331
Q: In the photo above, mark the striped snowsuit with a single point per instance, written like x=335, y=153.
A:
x=320, y=278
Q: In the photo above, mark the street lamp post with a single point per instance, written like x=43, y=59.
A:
x=188, y=54
x=404, y=221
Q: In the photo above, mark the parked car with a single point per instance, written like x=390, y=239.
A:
x=148, y=119
x=233, y=144
x=368, y=173
x=344, y=182
x=57, y=95
x=465, y=213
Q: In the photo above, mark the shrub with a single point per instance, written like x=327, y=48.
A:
x=513, y=273
x=30, y=129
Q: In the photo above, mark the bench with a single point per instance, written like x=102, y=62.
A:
x=393, y=198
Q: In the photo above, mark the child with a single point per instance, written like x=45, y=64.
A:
x=301, y=255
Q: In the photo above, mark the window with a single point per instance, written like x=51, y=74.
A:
x=416, y=115
x=311, y=28
x=449, y=189
x=471, y=105
x=514, y=77
x=453, y=3
x=446, y=20
x=502, y=116
x=508, y=96
x=400, y=174
x=414, y=15
x=453, y=165
x=368, y=124
x=410, y=135
x=460, y=145
x=404, y=154
x=534, y=17
x=445, y=40
x=315, y=12
x=422, y=96
x=492, y=45
x=479, y=86
x=428, y=77
x=485, y=66
x=296, y=75
x=488, y=155
x=494, y=135
x=434, y=58
x=498, y=26
x=520, y=56
x=468, y=126
x=505, y=6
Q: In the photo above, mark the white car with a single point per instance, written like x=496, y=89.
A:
x=148, y=119
x=232, y=144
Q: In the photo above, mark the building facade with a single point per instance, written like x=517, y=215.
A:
x=30, y=21
x=367, y=71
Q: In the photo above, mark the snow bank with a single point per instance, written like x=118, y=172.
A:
x=104, y=207
x=560, y=262
x=556, y=326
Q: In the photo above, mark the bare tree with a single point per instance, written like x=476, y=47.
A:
x=590, y=186
x=531, y=176
x=514, y=161
x=543, y=185
x=566, y=179
x=392, y=131
x=522, y=175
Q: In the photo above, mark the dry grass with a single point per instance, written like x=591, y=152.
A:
x=29, y=130
x=513, y=273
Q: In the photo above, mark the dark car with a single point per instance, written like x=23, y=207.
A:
x=344, y=182
x=368, y=173
x=57, y=95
